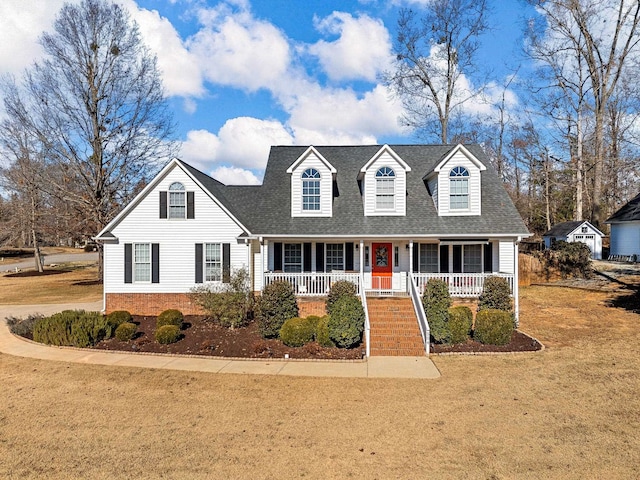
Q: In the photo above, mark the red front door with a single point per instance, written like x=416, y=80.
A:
x=382, y=266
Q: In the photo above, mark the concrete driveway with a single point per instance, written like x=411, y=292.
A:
x=51, y=259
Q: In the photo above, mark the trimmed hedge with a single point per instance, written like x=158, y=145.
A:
x=493, y=327
x=296, y=331
x=339, y=289
x=496, y=295
x=276, y=305
x=437, y=301
x=460, y=322
x=170, y=317
x=118, y=317
x=74, y=328
x=167, y=334
x=346, y=322
x=126, y=331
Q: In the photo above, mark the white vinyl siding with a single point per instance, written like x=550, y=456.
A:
x=625, y=238
x=506, y=251
x=471, y=190
x=325, y=191
x=176, y=239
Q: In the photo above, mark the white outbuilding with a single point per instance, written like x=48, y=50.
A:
x=576, y=231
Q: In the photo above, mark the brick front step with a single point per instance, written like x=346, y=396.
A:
x=394, y=328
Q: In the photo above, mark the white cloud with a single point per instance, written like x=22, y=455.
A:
x=235, y=176
x=361, y=52
x=200, y=148
x=237, y=50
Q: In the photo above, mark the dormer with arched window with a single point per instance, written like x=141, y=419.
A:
x=311, y=185
x=384, y=184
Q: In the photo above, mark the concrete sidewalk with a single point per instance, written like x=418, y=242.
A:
x=373, y=367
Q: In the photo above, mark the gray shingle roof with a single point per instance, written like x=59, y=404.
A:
x=266, y=209
x=563, y=229
x=629, y=212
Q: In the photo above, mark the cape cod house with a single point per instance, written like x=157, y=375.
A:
x=386, y=217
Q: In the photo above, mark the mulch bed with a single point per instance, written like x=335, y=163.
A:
x=519, y=343
x=201, y=337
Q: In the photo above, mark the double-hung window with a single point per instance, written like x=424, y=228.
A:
x=177, y=201
x=472, y=258
x=458, y=188
x=142, y=262
x=212, y=262
x=292, y=257
x=429, y=257
x=311, y=190
x=385, y=189
x=335, y=256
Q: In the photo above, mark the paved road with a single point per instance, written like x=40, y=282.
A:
x=49, y=259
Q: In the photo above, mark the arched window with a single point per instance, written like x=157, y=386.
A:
x=458, y=188
x=177, y=201
x=385, y=189
x=311, y=190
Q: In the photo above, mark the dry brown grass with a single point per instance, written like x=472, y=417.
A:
x=572, y=411
x=76, y=285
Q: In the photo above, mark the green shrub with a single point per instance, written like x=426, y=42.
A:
x=295, y=332
x=570, y=258
x=170, y=317
x=276, y=305
x=118, y=317
x=229, y=304
x=125, y=331
x=346, y=322
x=493, y=327
x=167, y=334
x=496, y=295
x=322, y=332
x=339, y=289
x=460, y=321
x=437, y=301
x=75, y=328
x=23, y=327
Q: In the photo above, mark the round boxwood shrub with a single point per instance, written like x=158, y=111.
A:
x=339, y=289
x=322, y=332
x=276, y=305
x=167, y=334
x=460, y=321
x=346, y=322
x=437, y=301
x=125, y=331
x=118, y=317
x=496, y=295
x=170, y=317
x=493, y=327
x=295, y=332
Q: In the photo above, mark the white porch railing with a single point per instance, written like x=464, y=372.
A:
x=308, y=284
x=460, y=284
x=423, y=322
x=367, y=326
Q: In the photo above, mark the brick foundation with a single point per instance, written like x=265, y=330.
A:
x=311, y=306
x=151, y=303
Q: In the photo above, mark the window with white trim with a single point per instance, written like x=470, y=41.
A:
x=458, y=188
x=472, y=258
x=142, y=262
x=429, y=257
x=292, y=257
x=213, y=262
x=311, y=190
x=177, y=201
x=385, y=189
x=334, y=256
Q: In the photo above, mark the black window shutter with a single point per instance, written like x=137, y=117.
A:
x=306, y=256
x=191, y=205
x=199, y=277
x=348, y=254
x=488, y=257
x=163, y=204
x=444, y=258
x=226, y=262
x=128, y=263
x=457, y=259
x=319, y=257
x=277, y=256
x=416, y=257
x=155, y=263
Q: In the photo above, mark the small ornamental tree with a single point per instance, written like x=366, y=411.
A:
x=437, y=301
x=276, y=305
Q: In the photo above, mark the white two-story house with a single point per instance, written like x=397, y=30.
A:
x=386, y=217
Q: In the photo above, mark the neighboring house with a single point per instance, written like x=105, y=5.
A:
x=576, y=231
x=387, y=218
x=625, y=230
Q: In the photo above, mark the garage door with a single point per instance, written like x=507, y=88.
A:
x=589, y=240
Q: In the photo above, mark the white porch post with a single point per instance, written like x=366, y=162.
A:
x=516, y=296
x=263, y=244
x=362, y=264
x=411, y=265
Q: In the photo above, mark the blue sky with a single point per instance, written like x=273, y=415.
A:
x=242, y=75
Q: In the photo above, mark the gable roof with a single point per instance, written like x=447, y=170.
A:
x=273, y=217
x=629, y=212
x=309, y=151
x=385, y=149
x=566, y=228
